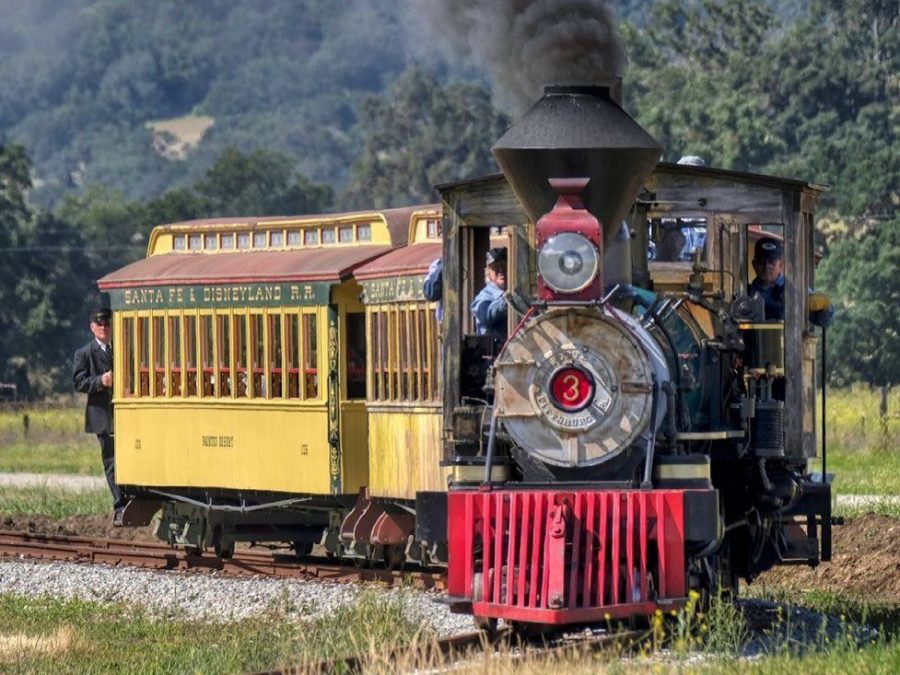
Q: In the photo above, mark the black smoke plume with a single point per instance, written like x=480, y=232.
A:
x=526, y=44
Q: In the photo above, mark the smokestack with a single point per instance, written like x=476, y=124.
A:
x=575, y=131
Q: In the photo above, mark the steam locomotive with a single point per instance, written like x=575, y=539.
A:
x=638, y=445
x=285, y=380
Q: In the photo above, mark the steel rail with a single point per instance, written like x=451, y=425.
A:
x=160, y=556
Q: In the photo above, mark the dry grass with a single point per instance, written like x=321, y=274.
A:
x=863, y=446
x=855, y=422
x=18, y=645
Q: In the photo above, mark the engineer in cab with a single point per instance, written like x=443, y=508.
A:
x=768, y=264
x=489, y=306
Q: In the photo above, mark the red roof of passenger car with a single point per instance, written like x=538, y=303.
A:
x=404, y=261
x=314, y=264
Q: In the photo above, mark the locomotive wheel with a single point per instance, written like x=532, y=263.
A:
x=488, y=626
x=224, y=550
x=722, y=586
x=394, y=557
x=302, y=548
x=194, y=550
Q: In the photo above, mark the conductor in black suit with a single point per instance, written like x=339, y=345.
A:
x=92, y=375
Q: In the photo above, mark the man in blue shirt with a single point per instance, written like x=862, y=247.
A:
x=433, y=286
x=768, y=263
x=489, y=306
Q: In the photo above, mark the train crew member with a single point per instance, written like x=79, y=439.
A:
x=433, y=286
x=489, y=306
x=768, y=263
x=92, y=375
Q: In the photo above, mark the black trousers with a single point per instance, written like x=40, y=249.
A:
x=107, y=451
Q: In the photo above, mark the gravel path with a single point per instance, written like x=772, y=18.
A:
x=53, y=481
x=191, y=596
x=188, y=596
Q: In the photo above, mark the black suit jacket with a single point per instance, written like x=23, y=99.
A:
x=90, y=364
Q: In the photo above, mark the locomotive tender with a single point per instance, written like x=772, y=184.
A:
x=284, y=379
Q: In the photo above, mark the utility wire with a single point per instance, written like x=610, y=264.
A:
x=70, y=249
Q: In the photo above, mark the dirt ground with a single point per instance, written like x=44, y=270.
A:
x=865, y=564
x=95, y=527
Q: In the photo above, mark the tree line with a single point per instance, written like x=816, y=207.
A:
x=50, y=260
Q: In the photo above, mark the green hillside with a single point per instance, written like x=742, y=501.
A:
x=84, y=84
x=80, y=80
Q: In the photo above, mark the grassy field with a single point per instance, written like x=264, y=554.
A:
x=55, y=441
x=54, y=503
x=863, y=449
x=75, y=636
x=50, y=635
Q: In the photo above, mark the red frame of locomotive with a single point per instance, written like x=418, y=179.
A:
x=575, y=572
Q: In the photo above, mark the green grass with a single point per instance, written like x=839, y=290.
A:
x=879, y=507
x=76, y=636
x=55, y=442
x=719, y=629
x=372, y=625
x=53, y=503
x=61, y=420
x=871, y=612
x=713, y=642
x=93, y=638
x=875, y=472
x=840, y=659
x=855, y=422
x=855, y=610
x=49, y=635
x=83, y=459
x=863, y=448
x=867, y=472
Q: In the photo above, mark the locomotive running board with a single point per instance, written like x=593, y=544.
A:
x=557, y=557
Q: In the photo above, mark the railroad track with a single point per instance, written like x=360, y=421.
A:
x=159, y=556
x=441, y=653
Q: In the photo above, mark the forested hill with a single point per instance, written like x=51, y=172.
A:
x=117, y=115
x=81, y=79
x=98, y=90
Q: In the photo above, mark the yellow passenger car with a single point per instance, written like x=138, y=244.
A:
x=241, y=376
x=404, y=390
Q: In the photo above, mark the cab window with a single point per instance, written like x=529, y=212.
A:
x=676, y=239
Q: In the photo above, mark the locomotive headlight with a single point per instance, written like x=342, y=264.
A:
x=568, y=262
